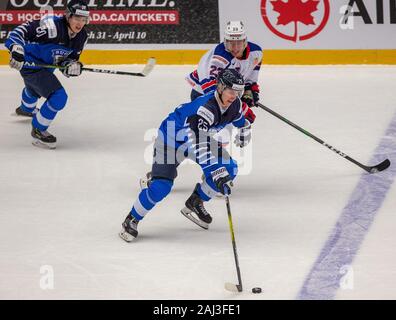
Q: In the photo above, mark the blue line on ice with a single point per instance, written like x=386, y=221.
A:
x=348, y=234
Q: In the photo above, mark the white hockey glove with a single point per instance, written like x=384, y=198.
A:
x=71, y=68
x=243, y=137
x=222, y=180
x=17, y=58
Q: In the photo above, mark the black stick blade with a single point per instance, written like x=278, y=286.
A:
x=380, y=167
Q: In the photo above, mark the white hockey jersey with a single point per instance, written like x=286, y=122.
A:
x=203, y=79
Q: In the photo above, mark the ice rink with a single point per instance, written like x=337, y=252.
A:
x=308, y=223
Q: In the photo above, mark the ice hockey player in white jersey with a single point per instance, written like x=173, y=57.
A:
x=236, y=52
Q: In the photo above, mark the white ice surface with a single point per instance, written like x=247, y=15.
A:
x=64, y=207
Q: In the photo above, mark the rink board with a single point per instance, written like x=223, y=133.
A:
x=271, y=57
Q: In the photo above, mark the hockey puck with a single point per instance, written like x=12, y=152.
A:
x=256, y=290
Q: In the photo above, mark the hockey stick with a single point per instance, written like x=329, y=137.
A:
x=230, y=286
x=146, y=70
x=370, y=169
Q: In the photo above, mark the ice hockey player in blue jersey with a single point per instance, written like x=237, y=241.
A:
x=186, y=133
x=50, y=41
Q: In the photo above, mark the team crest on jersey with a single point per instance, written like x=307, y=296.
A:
x=58, y=55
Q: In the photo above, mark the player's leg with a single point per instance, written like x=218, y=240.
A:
x=164, y=171
x=28, y=103
x=43, y=118
x=204, y=191
x=47, y=85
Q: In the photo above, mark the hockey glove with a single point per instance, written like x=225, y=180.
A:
x=17, y=57
x=244, y=135
x=251, y=95
x=248, y=113
x=222, y=180
x=71, y=68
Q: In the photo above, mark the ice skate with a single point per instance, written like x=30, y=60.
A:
x=129, y=229
x=43, y=139
x=196, y=212
x=22, y=113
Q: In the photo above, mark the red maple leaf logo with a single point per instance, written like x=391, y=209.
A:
x=295, y=11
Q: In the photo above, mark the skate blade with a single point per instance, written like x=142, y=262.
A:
x=126, y=236
x=188, y=214
x=20, y=116
x=40, y=144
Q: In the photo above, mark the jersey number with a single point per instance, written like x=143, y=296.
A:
x=40, y=32
x=214, y=71
x=203, y=125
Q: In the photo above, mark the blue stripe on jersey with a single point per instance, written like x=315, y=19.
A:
x=254, y=47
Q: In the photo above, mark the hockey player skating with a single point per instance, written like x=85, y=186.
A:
x=186, y=133
x=49, y=41
x=234, y=53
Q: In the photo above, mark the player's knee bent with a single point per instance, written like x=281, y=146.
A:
x=58, y=99
x=159, y=189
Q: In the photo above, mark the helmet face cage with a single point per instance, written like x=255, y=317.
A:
x=77, y=8
x=235, y=31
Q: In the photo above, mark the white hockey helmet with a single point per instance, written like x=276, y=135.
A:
x=234, y=31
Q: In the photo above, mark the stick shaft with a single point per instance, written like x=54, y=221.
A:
x=340, y=153
x=136, y=74
x=233, y=242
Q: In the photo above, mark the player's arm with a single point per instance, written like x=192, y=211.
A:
x=252, y=89
x=243, y=121
x=18, y=38
x=37, y=31
x=202, y=145
x=200, y=135
x=208, y=82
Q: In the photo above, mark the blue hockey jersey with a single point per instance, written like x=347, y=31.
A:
x=47, y=41
x=203, y=115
